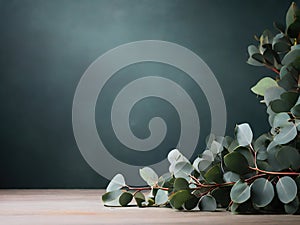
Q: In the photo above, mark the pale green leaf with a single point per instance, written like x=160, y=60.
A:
x=263, y=85
x=149, y=176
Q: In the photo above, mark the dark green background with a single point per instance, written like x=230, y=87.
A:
x=45, y=47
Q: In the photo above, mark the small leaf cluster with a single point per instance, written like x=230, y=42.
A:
x=241, y=174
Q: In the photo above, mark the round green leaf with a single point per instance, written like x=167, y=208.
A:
x=176, y=156
x=208, y=155
x=286, y=189
x=290, y=15
x=258, y=57
x=288, y=157
x=252, y=49
x=281, y=120
x=291, y=55
x=207, y=203
x=181, y=184
x=179, y=198
x=286, y=134
x=247, y=154
x=231, y=177
x=282, y=46
x=214, y=174
x=279, y=106
x=262, y=192
x=112, y=198
x=240, y=192
x=125, y=198
x=222, y=195
x=116, y=183
x=263, y=85
x=191, y=203
x=296, y=110
x=244, y=134
x=272, y=93
x=139, y=198
x=236, y=163
x=262, y=142
x=161, y=197
x=274, y=164
x=292, y=207
x=183, y=169
x=203, y=164
x=149, y=176
x=290, y=97
x=216, y=147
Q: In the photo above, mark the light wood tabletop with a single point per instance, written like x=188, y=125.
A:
x=38, y=207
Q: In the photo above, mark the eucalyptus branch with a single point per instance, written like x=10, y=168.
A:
x=275, y=173
x=148, y=188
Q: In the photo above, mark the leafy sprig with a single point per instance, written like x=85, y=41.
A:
x=242, y=174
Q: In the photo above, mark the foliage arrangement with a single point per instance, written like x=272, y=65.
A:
x=240, y=174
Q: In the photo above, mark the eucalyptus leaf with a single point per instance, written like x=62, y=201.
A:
x=244, y=134
x=179, y=198
x=203, y=164
x=196, y=164
x=183, y=169
x=274, y=164
x=216, y=147
x=286, y=134
x=288, y=157
x=290, y=15
x=291, y=56
x=296, y=111
x=112, y=198
x=236, y=162
x=263, y=85
x=191, y=203
x=207, y=203
x=222, y=195
x=139, y=197
x=252, y=49
x=240, y=192
x=231, y=177
x=116, y=183
x=149, y=176
x=175, y=156
x=286, y=189
x=262, y=142
x=161, y=197
x=125, y=198
x=262, y=192
x=292, y=207
x=247, y=154
x=181, y=184
x=286, y=130
x=272, y=94
x=208, y=155
x=214, y=174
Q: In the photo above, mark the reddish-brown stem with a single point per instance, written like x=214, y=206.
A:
x=254, y=177
x=145, y=188
x=254, y=154
x=275, y=173
x=199, y=184
x=272, y=68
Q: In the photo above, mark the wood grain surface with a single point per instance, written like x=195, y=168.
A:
x=35, y=207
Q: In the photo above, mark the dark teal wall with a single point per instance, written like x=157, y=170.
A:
x=45, y=47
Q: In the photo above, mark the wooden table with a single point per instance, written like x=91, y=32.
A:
x=39, y=207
